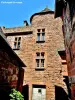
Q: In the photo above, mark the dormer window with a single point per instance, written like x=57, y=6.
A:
x=41, y=35
x=17, y=43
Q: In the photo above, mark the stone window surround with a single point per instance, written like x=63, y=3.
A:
x=17, y=43
x=40, y=60
x=40, y=35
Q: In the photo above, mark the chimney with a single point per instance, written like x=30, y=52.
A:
x=25, y=23
x=2, y=28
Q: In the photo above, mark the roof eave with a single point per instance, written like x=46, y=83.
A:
x=40, y=13
x=10, y=51
x=59, y=5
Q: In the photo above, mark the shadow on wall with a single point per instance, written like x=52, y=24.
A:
x=66, y=80
x=4, y=90
x=25, y=92
x=60, y=93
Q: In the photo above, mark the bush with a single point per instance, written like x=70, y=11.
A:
x=16, y=95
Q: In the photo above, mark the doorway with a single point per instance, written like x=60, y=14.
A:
x=25, y=92
x=39, y=92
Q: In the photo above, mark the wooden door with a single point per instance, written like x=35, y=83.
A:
x=39, y=93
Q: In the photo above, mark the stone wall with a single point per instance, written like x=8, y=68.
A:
x=51, y=75
x=8, y=72
x=69, y=40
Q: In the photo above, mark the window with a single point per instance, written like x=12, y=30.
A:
x=40, y=35
x=43, y=36
x=39, y=90
x=37, y=61
x=17, y=43
x=40, y=60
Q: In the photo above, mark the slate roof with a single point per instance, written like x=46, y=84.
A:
x=45, y=11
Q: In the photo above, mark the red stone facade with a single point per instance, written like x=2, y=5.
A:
x=68, y=18
x=70, y=47
x=11, y=74
x=8, y=71
x=51, y=74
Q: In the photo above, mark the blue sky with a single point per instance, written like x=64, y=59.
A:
x=13, y=14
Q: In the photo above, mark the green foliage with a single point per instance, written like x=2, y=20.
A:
x=16, y=95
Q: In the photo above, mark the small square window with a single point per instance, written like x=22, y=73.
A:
x=37, y=54
x=39, y=91
x=16, y=39
x=43, y=30
x=42, y=54
x=19, y=39
x=39, y=30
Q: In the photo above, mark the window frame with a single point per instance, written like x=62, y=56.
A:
x=40, y=58
x=17, y=41
x=41, y=37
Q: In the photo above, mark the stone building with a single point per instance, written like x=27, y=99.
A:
x=11, y=71
x=67, y=13
x=40, y=46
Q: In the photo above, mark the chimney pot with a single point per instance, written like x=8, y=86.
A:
x=25, y=23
